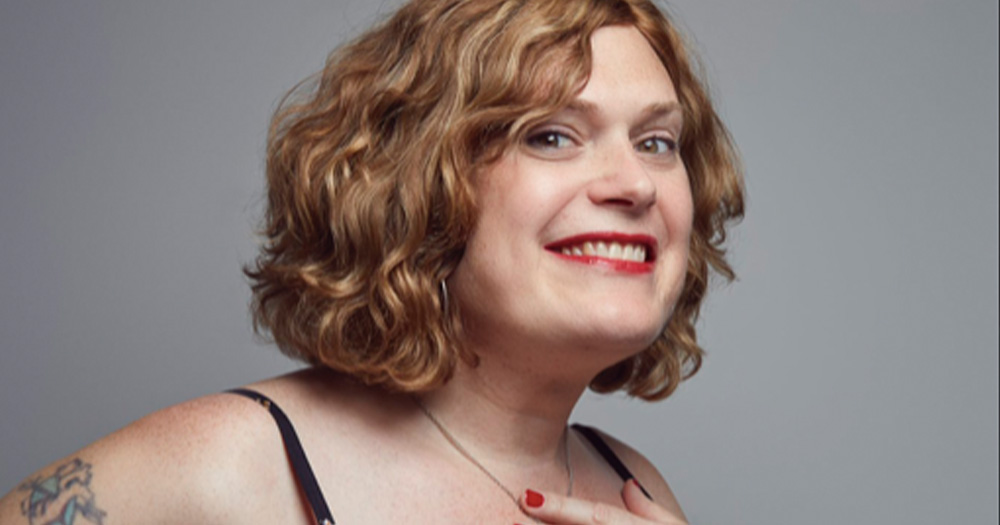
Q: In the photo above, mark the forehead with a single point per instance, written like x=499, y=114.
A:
x=624, y=63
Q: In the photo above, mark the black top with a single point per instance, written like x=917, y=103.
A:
x=314, y=496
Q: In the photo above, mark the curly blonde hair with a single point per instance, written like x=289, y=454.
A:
x=369, y=202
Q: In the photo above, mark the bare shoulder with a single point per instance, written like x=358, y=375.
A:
x=645, y=472
x=188, y=463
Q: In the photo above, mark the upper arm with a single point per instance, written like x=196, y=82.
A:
x=177, y=465
x=647, y=475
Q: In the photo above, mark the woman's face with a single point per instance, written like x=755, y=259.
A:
x=583, y=228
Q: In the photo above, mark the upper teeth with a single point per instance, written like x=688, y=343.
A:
x=614, y=250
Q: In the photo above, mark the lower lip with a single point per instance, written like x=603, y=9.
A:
x=617, y=265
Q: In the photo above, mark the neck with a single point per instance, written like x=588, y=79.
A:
x=506, y=414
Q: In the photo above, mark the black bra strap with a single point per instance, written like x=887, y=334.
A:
x=609, y=455
x=296, y=456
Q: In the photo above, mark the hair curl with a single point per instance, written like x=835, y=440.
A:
x=369, y=204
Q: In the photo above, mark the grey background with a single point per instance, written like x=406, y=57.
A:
x=852, y=375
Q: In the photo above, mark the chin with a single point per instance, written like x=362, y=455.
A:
x=630, y=334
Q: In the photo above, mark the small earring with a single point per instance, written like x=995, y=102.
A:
x=444, y=297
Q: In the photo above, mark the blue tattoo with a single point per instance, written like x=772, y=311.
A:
x=63, y=498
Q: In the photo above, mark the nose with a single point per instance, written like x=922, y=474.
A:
x=623, y=180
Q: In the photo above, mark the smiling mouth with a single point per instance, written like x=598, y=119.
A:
x=615, y=251
x=632, y=250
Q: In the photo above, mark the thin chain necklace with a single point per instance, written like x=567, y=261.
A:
x=496, y=481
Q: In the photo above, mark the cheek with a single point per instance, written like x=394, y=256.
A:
x=677, y=208
x=506, y=225
x=520, y=204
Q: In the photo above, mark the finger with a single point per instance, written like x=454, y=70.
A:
x=638, y=502
x=555, y=508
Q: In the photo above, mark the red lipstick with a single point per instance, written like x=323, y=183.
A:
x=647, y=242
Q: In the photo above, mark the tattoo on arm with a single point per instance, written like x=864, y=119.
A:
x=64, y=498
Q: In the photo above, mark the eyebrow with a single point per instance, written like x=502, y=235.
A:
x=654, y=110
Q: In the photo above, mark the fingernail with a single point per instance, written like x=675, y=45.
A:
x=533, y=499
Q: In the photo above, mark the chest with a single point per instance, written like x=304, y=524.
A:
x=439, y=496
x=373, y=486
x=416, y=490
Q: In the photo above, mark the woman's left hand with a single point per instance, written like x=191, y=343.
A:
x=558, y=509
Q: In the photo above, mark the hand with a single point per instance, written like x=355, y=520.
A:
x=557, y=509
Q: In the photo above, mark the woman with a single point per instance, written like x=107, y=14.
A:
x=481, y=208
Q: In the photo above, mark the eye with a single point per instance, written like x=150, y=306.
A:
x=657, y=145
x=549, y=139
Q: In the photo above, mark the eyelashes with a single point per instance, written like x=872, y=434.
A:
x=657, y=145
x=549, y=141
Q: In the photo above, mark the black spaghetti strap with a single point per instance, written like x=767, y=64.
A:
x=296, y=456
x=609, y=455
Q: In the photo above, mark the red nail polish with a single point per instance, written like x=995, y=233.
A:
x=533, y=499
